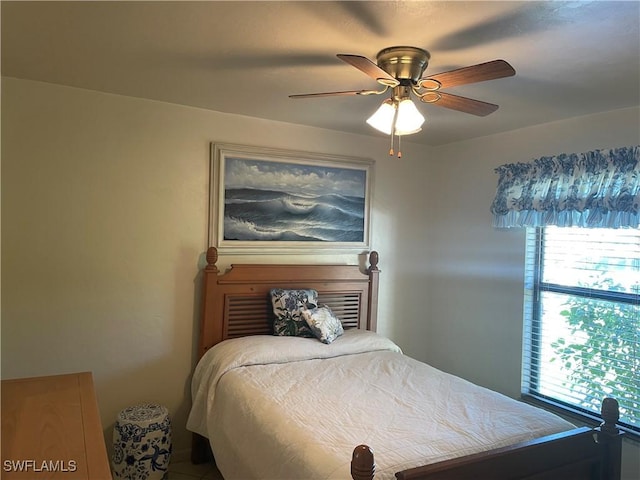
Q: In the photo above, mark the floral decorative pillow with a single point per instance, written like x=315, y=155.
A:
x=323, y=323
x=287, y=305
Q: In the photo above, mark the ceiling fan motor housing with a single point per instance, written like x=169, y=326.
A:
x=404, y=63
x=402, y=91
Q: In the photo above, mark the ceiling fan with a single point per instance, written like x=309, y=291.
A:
x=401, y=69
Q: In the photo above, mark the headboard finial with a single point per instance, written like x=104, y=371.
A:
x=212, y=258
x=373, y=260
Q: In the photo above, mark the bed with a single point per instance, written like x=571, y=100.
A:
x=288, y=407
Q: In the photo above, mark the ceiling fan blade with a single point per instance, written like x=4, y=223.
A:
x=464, y=104
x=473, y=74
x=333, y=94
x=367, y=66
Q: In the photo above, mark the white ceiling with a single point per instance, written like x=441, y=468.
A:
x=571, y=58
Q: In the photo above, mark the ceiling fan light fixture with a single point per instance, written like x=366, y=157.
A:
x=399, y=118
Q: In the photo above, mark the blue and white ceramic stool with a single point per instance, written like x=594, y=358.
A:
x=142, y=443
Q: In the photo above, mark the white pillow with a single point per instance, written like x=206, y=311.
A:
x=323, y=323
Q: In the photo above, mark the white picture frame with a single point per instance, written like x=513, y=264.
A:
x=284, y=201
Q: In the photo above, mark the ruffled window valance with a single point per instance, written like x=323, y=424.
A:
x=597, y=189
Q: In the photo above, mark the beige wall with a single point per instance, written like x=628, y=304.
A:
x=104, y=216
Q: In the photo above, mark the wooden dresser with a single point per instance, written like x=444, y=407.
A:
x=51, y=429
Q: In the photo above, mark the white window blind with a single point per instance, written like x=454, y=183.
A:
x=582, y=319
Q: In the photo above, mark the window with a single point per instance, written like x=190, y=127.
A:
x=582, y=319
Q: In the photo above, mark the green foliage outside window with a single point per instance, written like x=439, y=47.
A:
x=602, y=354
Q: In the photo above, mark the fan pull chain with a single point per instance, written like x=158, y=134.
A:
x=391, y=152
x=391, y=148
x=393, y=130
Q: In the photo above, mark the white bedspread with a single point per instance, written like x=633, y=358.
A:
x=294, y=408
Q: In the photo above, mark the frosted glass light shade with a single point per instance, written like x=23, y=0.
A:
x=409, y=119
x=382, y=119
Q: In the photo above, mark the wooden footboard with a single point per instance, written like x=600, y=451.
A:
x=579, y=454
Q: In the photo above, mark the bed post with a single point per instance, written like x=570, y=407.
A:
x=200, y=449
x=209, y=334
x=374, y=272
x=609, y=437
x=362, y=465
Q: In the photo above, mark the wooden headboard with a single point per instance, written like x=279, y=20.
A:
x=237, y=303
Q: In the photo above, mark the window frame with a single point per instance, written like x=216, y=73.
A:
x=532, y=344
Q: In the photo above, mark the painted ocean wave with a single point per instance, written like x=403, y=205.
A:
x=268, y=215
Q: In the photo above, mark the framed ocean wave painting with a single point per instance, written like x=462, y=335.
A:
x=283, y=201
